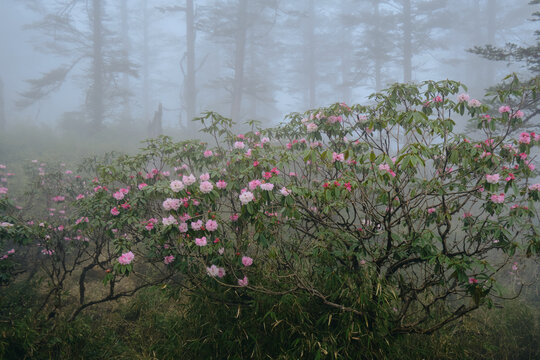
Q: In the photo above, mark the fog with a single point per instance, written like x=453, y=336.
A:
x=67, y=63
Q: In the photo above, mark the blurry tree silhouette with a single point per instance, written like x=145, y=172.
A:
x=78, y=34
x=528, y=56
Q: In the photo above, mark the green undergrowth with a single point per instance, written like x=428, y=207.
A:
x=158, y=324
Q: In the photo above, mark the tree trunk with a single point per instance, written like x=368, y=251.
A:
x=407, y=41
x=97, y=96
x=491, y=27
x=126, y=116
x=145, y=64
x=378, y=56
x=190, y=91
x=240, y=41
x=2, y=107
x=309, y=55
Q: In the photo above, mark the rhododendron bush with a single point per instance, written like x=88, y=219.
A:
x=374, y=217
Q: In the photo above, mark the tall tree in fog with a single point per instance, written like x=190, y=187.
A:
x=124, y=33
x=527, y=56
x=79, y=36
x=234, y=26
x=190, y=90
x=418, y=22
x=309, y=60
x=240, y=35
x=146, y=62
x=98, y=66
x=2, y=106
x=373, y=42
x=189, y=93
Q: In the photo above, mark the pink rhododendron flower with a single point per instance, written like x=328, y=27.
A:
x=79, y=197
x=168, y=259
x=431, y=210
x=171, y=204
x=211, y=225
x=215, y=271
x=338, y=157
x=386, y=167
x=247, y=261
x=492, y=179
x=311, y=127
x=201, y=241
x=334, y=119
x=284, y=191
x=497, y=199
x=185, y=217
x=519, y=114
x=473, y=280
x=524, y=138
x=3, y=190
x=220, y=184
x=510, y=177
x=197, y=225
x=515, y=266
x=253, y=184
x=234, y=217
x=534, y=187
x=239, y=145
x=474, y=103
x=126, y=258
x=114, y=211
x=463, y=97
x=177, y=185
x=206, y=187
x=142, y=186
x=188, y=180
x=504, y=109
x=169, y=221
x=246, y=197
x=118, y=195
x=243, y=282
x=80, y=220
x=204, y=177
x=267, y=186
x=183, y=227
x=438, y=99
x=208, y=153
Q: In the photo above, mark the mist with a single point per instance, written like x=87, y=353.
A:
x=71, y=64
